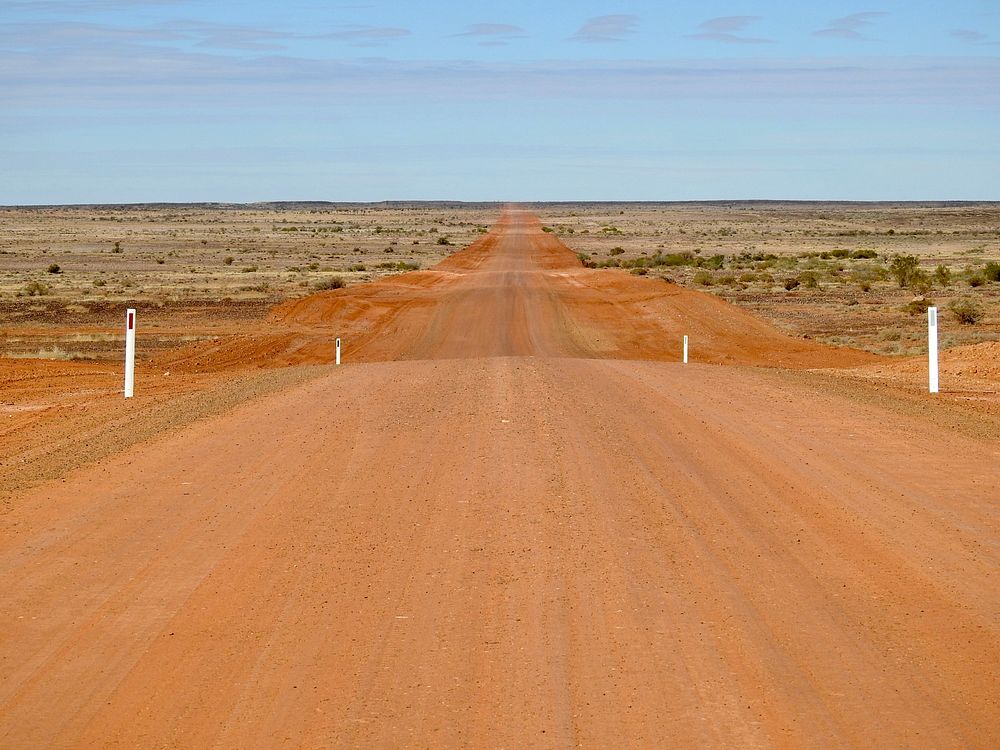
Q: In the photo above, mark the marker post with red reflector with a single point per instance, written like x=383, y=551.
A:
x=685, y=350
x=129, y=352
x=338, y=350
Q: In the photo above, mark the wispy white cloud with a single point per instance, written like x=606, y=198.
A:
x=614, y=28
x=127, y=75
x=850, y=27
x=83, y=6
x=70, y=39
x=975, y=37
x=724, y=29
x=365, y=36
x=493, y=34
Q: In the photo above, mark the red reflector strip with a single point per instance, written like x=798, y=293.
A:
x=131, y=321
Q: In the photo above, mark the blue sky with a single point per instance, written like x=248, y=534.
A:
x=188, y=100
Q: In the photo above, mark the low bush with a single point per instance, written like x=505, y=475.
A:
x=704, y=278
x=992, y=272
x=35, y=289
x=791, y=283
x=942, y=275
x=616, y=251
x=966, y=311
x=864, y=253
x=903, y=268
x=918, y=306
x=54, y=268
x=334, y=282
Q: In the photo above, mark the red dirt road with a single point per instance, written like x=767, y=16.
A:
x=497, y=526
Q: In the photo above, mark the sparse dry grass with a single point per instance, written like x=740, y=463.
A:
x=819, y=271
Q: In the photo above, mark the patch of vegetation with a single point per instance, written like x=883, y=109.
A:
x=966, y=310
x=35, y=289
x=399, y=266
x=334, y=282
x=228, y=260
x=54, y=268
x=616, y=251
x=791, y=283
x=992, y=272
x=942, y=276
x=249, y=269
x=918, y=306
x=904, y=268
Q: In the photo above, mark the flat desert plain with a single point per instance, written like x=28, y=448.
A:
x=513, y=517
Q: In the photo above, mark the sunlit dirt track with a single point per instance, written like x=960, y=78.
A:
x=514, y=519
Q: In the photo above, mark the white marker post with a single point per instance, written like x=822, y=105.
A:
x=685, y=350
x=338, y=350
x=129, y=352
x=932, y=349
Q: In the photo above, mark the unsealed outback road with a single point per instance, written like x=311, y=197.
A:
x=504, y=535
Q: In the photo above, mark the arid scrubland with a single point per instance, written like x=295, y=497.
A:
x=858, y=275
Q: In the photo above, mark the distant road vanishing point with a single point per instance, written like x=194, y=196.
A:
x=514, y=519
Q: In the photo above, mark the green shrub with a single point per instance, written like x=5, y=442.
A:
x=791, y=283
x=920, y=282
x=942, y=275
x=966, y=310
x=54, y=268
x=809, y=280
x=704, y=278
x=443, y=241
x=616, y=251
x=976, y=280
x=917, y=306
x=864, y=253
x=903, y=268
x=334, y=282
x=35, y=289
x=992, y=272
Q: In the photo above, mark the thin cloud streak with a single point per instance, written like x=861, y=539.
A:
x=97, y=78
x=724, y=28
x=602, y=29
x=850, y=27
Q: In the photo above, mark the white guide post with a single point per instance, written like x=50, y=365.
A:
x=129, y=352
x=685, y=350
x=338, y=350
x=932, y=349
